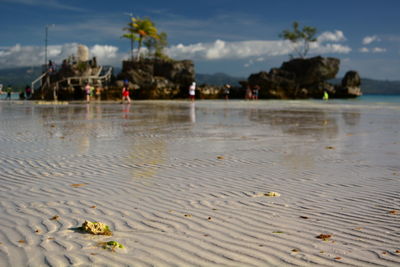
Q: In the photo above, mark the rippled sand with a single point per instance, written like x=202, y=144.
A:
x=184, y=184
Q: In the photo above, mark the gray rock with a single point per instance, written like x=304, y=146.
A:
x=304, y=78
x=159, y=79
x=350, y=86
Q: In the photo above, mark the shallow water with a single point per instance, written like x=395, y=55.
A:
x=93, y=129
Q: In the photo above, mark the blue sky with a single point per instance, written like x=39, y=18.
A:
x=231, y=36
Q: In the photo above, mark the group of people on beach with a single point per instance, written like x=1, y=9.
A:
x=252, y=93
x=126, y=95
x=91, y=92
x=7, y=91
x=24, y=94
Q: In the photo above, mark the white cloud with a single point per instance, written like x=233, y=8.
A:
x=336, y=36
x=230, y=50
x=372, y=50
x=24, y=56
x=370, y=39
x=249, y=63
x=104, y=51
x=378, y=50
x=329, y=48
x=247, y=49
x=253, y=61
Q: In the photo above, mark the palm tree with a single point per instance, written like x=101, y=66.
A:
x=132, y=36
x=144, y=29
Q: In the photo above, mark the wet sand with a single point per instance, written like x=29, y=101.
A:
x=184, y=184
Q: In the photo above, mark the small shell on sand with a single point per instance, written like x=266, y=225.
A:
x=269, y=194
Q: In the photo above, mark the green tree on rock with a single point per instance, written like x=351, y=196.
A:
x=156, y=46
x=300, y=39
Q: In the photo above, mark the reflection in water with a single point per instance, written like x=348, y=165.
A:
x=84, y=144
x=145, y=155
x=139, y=138
x=351, y=118
x=312, y=124
x=192, y=112
x=125, y=110
x=318, y=123
x=298, y=158
x=84, y=140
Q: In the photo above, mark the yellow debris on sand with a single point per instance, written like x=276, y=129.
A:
x=96, y=228
x=272, y=194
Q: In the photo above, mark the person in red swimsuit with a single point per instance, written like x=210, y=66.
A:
x=125, y=94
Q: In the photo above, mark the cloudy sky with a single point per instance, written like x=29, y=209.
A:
x=232, y=36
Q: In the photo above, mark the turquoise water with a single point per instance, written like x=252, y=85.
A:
x=14, y=96
x=379, y=98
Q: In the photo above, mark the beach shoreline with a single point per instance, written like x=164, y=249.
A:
x=190, y=184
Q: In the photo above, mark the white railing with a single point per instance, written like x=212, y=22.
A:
x=81, y=79
x=38, y=79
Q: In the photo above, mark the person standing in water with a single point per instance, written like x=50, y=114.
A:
x=192, y=91
x=8, y=91
x=256, y=90
x=87, y=92
x=125, y=94
x=227, y=88
x=248, y=94
x=326, y=96
x=28, y=92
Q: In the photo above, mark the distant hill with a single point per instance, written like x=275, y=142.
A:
x=370, y=86
x=18, y=78
x=218, y=79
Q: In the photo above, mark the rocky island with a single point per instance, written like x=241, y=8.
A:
x=305, y=78
x=169, y=79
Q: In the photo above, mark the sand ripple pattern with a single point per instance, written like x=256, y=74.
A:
x=184, y=185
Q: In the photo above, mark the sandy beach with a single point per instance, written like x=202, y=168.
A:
x=187, y=184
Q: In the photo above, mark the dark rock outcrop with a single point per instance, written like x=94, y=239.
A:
x=350, y=86
x=303, y=78
x=157, y=79
x=313, y=70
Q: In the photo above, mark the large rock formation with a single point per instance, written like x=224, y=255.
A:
x=313, y=70
x=302, y=78
x=350, y=85
x=157, y=79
